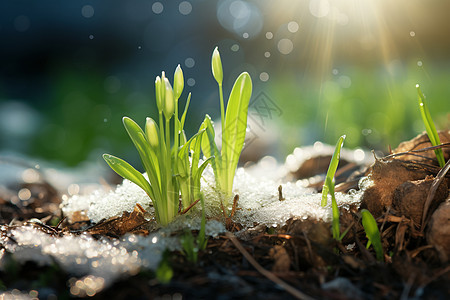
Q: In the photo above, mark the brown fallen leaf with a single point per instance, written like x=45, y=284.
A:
x=118, y=226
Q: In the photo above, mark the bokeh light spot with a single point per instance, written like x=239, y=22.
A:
x=345, y=81
x=269, y=35
x=412, y=33
x=87, y=11
x=245, y=35
x=91, y=36
x=319, y=8
x=285, y=46
x=24, y=194
x=189, y=62
x=112, y=84
x=267, y=54
x=191, y=82
x=239, y=10
x=264, y=76
x=235, y=48
x=419, y=63
x=185, y=8
x=157, y=7
x=293, y=27
x=22, y=23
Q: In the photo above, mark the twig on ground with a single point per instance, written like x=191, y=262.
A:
x=288, y=288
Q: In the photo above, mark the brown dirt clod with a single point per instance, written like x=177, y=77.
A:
x=387, y=175
x=420, y=142
x=409, y=198
x=438, y=234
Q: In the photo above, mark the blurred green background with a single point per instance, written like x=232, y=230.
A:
x=69, y=71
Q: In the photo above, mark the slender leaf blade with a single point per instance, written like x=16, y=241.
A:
x=125, y=170
x=236, y=123
x=332, y=169
x=372, y=232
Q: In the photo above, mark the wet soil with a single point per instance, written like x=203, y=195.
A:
x=408, y=197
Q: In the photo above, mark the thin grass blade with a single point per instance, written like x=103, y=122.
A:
x=372, y=232
x=429, y=126
x=332, y=169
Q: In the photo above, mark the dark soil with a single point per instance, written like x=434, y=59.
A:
x=409, y=199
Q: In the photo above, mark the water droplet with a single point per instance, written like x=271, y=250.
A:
x=157, y=7
x=185, y=8
x=285, y=46
x=87, y=11
x=293, y=26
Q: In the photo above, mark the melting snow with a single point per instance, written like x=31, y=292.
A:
x=105, y=260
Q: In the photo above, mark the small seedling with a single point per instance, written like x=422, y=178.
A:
x=164, y=272
x=234, y=126
x=168, y=167
x=191, y=247
x=328, y=188
x=373, y=234
x=429, y=126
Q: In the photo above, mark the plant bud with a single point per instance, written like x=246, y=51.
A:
x=151, y=131
x=169, y=101
x=216, y=65
x=159, y=91
x=178, y=82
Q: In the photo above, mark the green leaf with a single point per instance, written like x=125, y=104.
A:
x=372, y=232
x=209, y=146
x=147, y=155
x=125, y=170
x=332, y=170
x=236, y=124
x=183, y=116
x=335, y=224
x=429, y=126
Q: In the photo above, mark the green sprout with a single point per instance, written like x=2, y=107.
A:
x=234, y=126
x=328, y=188
x=373, y=234
x=429, y=126
x=191, y=246
x=168, y=167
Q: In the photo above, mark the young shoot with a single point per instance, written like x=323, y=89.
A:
x=373, y=234
x=234, y=126
x=165, y=154
x=191, y=246
x=328, y=188
x=429, y=126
